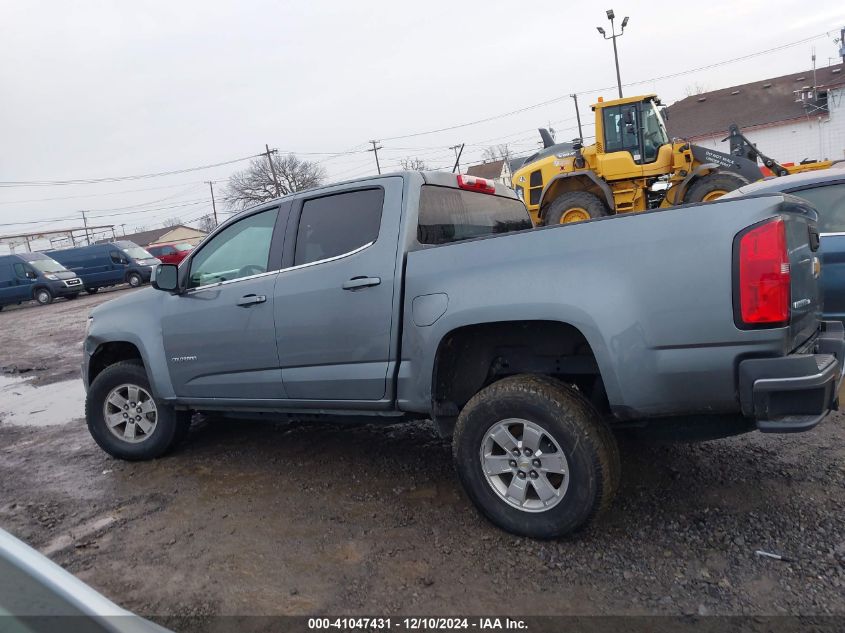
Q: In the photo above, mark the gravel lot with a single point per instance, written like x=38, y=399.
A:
x=260, y=518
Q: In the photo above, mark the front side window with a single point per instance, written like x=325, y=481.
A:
x=829, y=201
x=117, y=257
x=450, y=215
x=20, y=271
x=338, y=224
x=240, y=250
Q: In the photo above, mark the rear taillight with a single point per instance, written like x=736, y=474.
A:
x=474, y=183
x=764, y=278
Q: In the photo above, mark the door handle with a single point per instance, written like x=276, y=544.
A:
x=250, y=300
x=361, y=282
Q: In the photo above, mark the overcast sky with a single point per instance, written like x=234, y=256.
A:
x=105, y=89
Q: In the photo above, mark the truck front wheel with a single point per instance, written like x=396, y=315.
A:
x=535, y=457
x=126, y=420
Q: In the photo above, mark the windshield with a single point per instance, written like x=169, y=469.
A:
x=136, y=252
x=46, y=265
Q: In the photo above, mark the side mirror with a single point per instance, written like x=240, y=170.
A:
x=31, y=275
x=165, y=277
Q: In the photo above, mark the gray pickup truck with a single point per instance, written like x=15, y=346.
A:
x=430, y=296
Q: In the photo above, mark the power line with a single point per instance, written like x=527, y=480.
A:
x=91, y=181
x=584, y=92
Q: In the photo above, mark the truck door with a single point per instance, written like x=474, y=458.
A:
x=24, y=279
x=336, y=304
x=219, y=336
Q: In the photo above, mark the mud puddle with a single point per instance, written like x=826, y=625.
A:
x=24, y=404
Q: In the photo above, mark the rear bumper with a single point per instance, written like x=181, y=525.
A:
x=794, y=393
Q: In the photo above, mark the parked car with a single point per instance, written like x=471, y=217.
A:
x=825, y=190
x=26, y=276
x=430, y=296
x=171, y=253
x=110, y=264
x=37, y=595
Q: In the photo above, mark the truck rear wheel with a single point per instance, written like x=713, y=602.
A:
x=574, y=206
x=126, y=420
x=713, y=186
x=535, y=457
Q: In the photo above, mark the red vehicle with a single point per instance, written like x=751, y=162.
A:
x=171, y=253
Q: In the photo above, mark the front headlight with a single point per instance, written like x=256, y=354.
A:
x=88, y=326
x=51, y=277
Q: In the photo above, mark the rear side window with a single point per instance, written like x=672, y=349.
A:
x=451, y=215
x=339, y=224
x=830, y=203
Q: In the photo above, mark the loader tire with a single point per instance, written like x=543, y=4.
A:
x=713, y=186
x=575, y=206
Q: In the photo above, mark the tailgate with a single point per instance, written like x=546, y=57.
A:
x=802, y=237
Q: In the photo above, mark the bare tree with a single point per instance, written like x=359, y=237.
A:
x=695, y=89
x=414, y=164
x=206, y=223
x=255, y=184
x=496, y=152
x=172, y=222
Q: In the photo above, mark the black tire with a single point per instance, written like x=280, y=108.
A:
x=43, y=296
x=714, y=185
x=568, y=418
x=92, y=291
x=72, y=297
x=134, y=280
x=588, y=204
x=171, y=425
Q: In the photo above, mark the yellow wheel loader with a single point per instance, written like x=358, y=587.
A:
x=634, y=166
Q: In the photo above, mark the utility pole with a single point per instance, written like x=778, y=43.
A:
x=214, y=205
x=578, y=116
x=376, y=148
x=458, y=149
x=272, y=171
x=113, y=235
x=123, y=228
x=611, y=16
x=85, y=223
x=842, y=43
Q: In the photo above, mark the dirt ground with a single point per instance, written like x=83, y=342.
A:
x=261, y=518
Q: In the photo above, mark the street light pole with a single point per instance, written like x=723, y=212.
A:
x=612, y=16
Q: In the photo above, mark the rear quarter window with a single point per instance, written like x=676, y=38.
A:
x=451, y=215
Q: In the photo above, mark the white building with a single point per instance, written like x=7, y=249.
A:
x=790, y=118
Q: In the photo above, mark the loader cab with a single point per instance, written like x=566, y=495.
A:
x=632, y=139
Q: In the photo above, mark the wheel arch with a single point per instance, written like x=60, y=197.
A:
x=472, y=356
x=585, y=180
x=109, y=353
